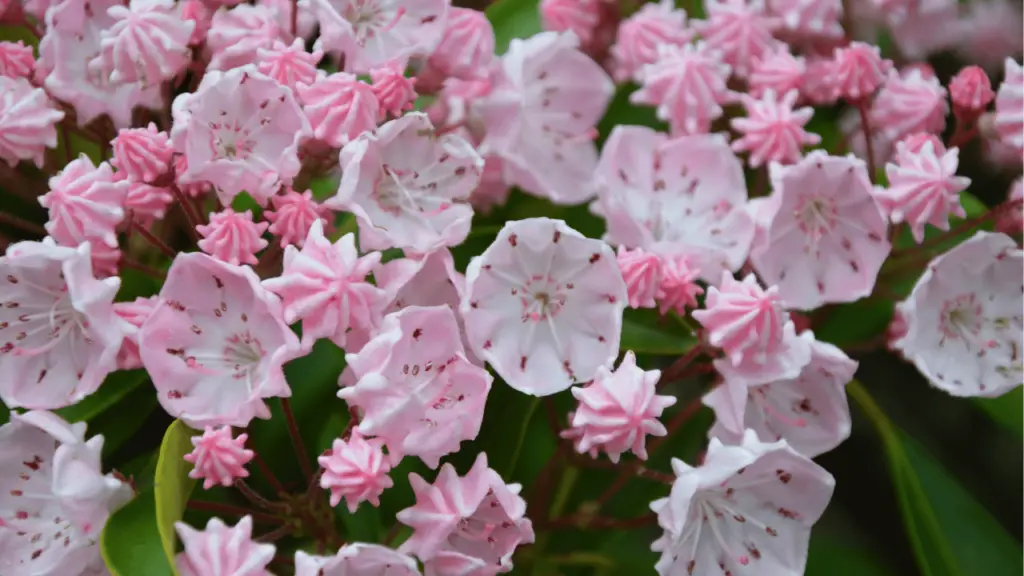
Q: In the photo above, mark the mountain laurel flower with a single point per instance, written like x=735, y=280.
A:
x=772, y=130
x=1009, y=120
x=56, y=497
x=740, y=30
x=971, y=90
x=198, y=12
x=909, y=102
x=578, y=16
x=222, y=550
x=367, y=33
x=747, y=510
x=147, y=42
x=339, y=107
x=240, y=131
x=819, y=84
x=678, y=289
x=964, y=319
x=923, y=187
x=216, y=344
x=809, y=21
x=810, y=411
x=779, y=70
x=16, y=60
x=394, y=90
x=687, y=85
x=414, y=386
x=143, y=154
x=743, y=319
x=134, y=314
x=354, y=559
x=541, y=114
x=293, y=215
x=233, y=237
x=237, y=34
x=356, y=470
x=684, y=196
x=85, y=203
x=827, y=238
x=324, y=285
x=289, y=64
x=146, y=203
x=639, y=36
x=407, y=185
x=28, y=120
x=467, y=525
x=217, y=458
x=858, y=70
x=466, y=48
x=543, y=305
x=618, y=410
x=642, y=273
x=59, y=334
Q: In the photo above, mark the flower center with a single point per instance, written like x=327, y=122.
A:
x=231, y=141
x=542, y=298
x=368, y=19
x=816, y=216
x=243, y=353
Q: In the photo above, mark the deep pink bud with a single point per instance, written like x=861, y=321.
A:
x=218, y=458
x=970, y=90
x=393, y=89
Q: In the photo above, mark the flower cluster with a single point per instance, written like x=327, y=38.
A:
x=336, y=174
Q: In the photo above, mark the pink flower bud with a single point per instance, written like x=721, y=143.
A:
x=642, y=273
x=232, y=237
x=339, y=107
x=393, y=89
x=16, y=60
x=970, y=90
x=143, y=154
x=218, y=458
x=356, y=470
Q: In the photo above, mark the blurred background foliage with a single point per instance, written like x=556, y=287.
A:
x=927, y=483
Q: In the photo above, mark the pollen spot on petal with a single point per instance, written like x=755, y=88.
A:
x=595, y=257
x=513, y=240
x=557, y=236
x=522, y=363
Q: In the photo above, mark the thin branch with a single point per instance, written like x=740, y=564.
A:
x=218, y=508
x=268, y=474
x=160, y=244
x=293, y=431
x=21, y=224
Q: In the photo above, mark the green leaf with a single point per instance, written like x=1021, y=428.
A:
x=116, y=386
x=836, y=558
x=119, y=424
x=1005, y=410
x=858, y=321
x=622, y=111
x=513, y=19
x=172, y=486
x=646, y=332
x=951, y=534
x=130, y=542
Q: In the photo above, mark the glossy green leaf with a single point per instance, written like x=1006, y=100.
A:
x=1006, y=410
x=645, y=332
x=131, y=544
x=951, y=534
x=122, y=421
x=513, y=19
x=171, y=485
x=115, y=387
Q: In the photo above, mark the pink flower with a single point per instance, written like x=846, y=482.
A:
x=618, y=410
x=147, y=42
x=809, y=20
x=134, y=315
x=819, y=82
x=194, y=189
x=579, y=16
x=84, y=203
x=543, y=327
x=293, y=216
x=415, y=388
x=743, y=319
x=325, y=286
x=810, y=411
x=540, y=116
x=748, y=510
x=73, y=39
x=492, y=191
x=236, y=35
x=368, y=33
x=355, y=469
x=393, y=89
x=1011, y=220
x=354, y=559
x=289, y=65
x=467, y=525
x=466, y=47
x=640, y=35
x=216, y=344
x=773, y=131
x=1009, y=120
x=56, y=498
x=339, y=107
x=16, y=60
x=827, y=238
x=408, y=185
x=144, y=154
x=779, y=71
x=240, y=131
x=642, y=273
x=678, y=289
x=146, y=203
x=915, y=35
x=233, y=237
x=27, y=121
x=970, y=90
x=220, y=550
x=909, y=102
x=218, y=458
x=61, y=354
x=923, y=187
x=687, y=84
x=201, y=15
x=964, y=319
x=858, y=70
x=740, y=30
x=675, y=197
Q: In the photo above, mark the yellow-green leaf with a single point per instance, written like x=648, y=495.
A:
x=130, y=542
x=172, y=486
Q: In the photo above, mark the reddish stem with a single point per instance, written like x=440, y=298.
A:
x=154, y=240
x=255, y=497
x=218, y=508
x=678, y=367
x=865, y=124
x=295, y=18
x=293, y=431
x=23, y=225
x=961, y=136
x=271, y=478
x=193, y=218
x=147, y=270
